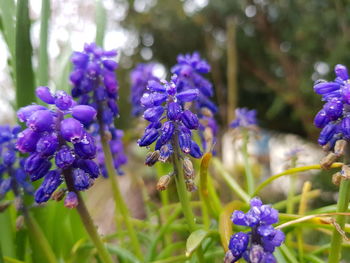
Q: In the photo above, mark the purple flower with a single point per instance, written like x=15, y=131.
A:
x=139, y=78
x=333, y=117
x=259, y=244
x=52, y=134
x=12, y=174
x=244, y=118
x=179, y=121
x=191, y=82
x=71, y=200
x=96, y=87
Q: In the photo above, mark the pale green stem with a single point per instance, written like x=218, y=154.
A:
x=118, y=198
x=337, y=239
x=247, y=165
x=183, y=194
x=87, y=221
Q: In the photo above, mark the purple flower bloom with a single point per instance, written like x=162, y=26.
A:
x=139, y=78
x=333, y=118
x=71, y=200
x=95, y=85
x=12, y=175
x=190, y=70
x=259, y=244
x=52, y=134
x=178, y=120
x=244, y=118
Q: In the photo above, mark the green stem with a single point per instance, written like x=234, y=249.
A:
x=343, y=202
x=183, y=195
x=39, y=238
x=118, y=198
x=43, y=71
x=247, y=165
x=87, y=221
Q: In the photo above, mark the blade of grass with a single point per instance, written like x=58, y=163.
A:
x=24, y=70
x=8, y=13
x=43, y=72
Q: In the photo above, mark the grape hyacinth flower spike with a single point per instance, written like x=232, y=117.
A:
x=51, y=134
x=257, y=245
x=171, y=125
x=244, y=119
x=139, y=78
x=190, y=69
x=12, y=174
x=95, y=84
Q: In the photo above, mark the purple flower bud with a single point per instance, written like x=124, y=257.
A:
x=146, y=100
x=341, y=71
x=326, y=87
x=36, y=166
x=76, y=76
x=110, y=64
x=41, y=121
x=155, y=86
x=189, y=119
x=45, y=95
x=113, y=107
x=8, y=157
x=185, y=141
x=165, y=152
x=321, y=119
x=148, y=138
x=92, y=69
x=333, y=109
x=238, y=244
x=51, y=182
x=154, y=125
x=24, y=113
x=89, y=166
x=47, y=144
x=330, y=129
x=84, y=113
x=153, y=114
x=63, y=101
x=64, y=157
x=188, y=95
x=174, y=111
x=27, y=140
x=86, y=148
x=72, y=130
x=195, y=150
x=81, y=180
x=167, y=131
x=80, y=59
x=110, y=82
x=71, y=200
x=345, y=128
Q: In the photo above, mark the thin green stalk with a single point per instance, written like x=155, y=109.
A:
x=290, y=172
x=87, y=221
x=247, y=165
x=43, y=72
x=101, y=21
x=39, y=238
x=343, y=202
x=183, y=194
x=118, y=198
x=235, y=187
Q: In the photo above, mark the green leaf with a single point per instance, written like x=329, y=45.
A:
x=7, y=234
x=43, y=72
x=194, y=241
x=7, y=13
x=24, y=70
x=12, y=260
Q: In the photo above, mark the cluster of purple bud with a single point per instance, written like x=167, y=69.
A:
x=95, y=84
x=334, y=117
x=117, y=150
x=57, y=133
x=257, y=245
x=169, y=118
x=244, y=118
x=139, y=78
x=11, y=165
x=190, y=70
